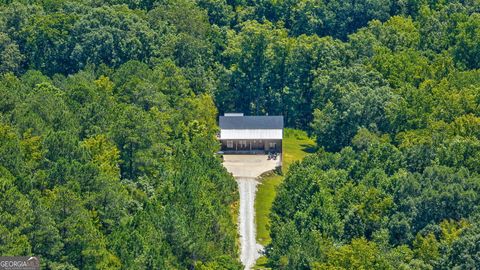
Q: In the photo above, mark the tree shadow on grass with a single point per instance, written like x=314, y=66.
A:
x=308, y=148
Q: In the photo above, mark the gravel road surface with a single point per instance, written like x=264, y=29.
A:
x=249, y=247
x=246, y=169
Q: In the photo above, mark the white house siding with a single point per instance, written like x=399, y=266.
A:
x=253, y=134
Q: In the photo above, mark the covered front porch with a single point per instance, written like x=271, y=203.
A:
x=251, y=146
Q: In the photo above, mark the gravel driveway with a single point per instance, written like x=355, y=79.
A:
x=249, y=247
x=246, y=168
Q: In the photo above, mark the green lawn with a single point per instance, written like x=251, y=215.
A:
x=296, y=145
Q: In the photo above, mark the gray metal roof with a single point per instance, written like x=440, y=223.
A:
x=251, y=122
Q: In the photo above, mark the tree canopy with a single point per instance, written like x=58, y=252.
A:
x=108, y=120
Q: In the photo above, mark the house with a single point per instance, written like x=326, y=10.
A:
x=251, y=134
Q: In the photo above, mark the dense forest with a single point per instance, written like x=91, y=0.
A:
x=107, y=139
x=108, y=120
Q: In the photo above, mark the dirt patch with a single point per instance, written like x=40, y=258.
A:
x=249, y=166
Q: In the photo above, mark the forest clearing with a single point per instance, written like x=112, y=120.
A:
x=111, y=124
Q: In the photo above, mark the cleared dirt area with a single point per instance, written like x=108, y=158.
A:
x=246, y=168
x=249, y=166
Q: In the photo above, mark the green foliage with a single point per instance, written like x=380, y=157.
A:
x=333, y=18
x=10, y=55
x=100, y=173
x=107, y=130
x=349, y=98
x=399, y=118
x=356, y=194
x=463, y=248
x=467, y=48
x=15, y=213
x=295, y=133
x=273, y=73
x=111, y=35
